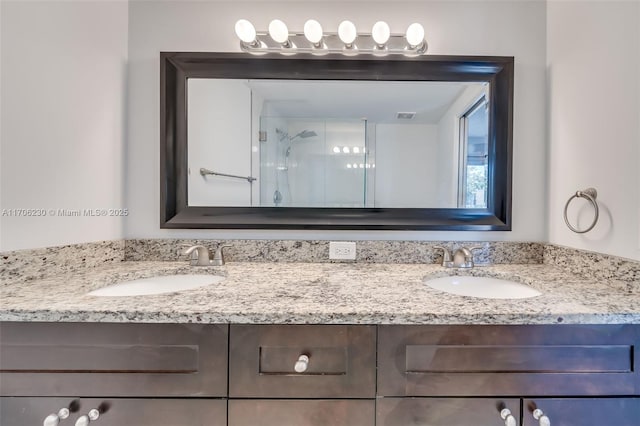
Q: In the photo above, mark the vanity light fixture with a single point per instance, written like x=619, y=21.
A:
x=313, y=33
x=415, y=37
x=246, y=32
x=348, y=33
x=345, y=41
x=380, y=34
x=279, y=32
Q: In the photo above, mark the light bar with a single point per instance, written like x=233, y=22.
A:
x=346, y=41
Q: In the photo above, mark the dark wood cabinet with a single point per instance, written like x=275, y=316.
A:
x=444, y=411
x=71, y=359
x=315, y=412
x=522, y=360
x=352, y=375
x=584, y=411
x=341, y=361
x=20, y=411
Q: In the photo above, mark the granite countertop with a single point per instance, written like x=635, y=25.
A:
x=321, y=293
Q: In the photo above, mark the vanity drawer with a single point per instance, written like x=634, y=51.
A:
x=341, y=361
x=95, y=359
x=507, y=360
x=17, y=411
x=444, y=411
x=301, y=412
x=584, y=411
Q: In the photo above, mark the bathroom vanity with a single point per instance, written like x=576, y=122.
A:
x=319, y=344
x=175, y=374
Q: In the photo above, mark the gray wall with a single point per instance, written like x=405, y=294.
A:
x=594, y=126
x=63, y=118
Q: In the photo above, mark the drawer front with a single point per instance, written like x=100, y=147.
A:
x=507, y=360
x=444, y=411
x=341, y=361
x=301, y=412
x=584, y=411
x=16, y=411
x=94, y=359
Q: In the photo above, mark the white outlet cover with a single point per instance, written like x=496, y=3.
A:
x=342, y=250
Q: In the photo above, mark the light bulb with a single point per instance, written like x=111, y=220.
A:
x=313, y=31
x=347, y=32
x=415, y=35
x=345, y=149
x=245, y=31
x=278, y=31
x=356, y=150
x=336, y=149
x=380, y=33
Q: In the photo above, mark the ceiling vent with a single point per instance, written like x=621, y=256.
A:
x=405, y=115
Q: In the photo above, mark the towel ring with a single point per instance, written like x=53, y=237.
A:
x=590, y=194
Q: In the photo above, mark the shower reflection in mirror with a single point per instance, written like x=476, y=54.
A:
x=347, y=144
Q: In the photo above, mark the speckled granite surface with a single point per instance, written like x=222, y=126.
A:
x=318, y=251
x=25, y=265
x=594, y=265
x=325, y=293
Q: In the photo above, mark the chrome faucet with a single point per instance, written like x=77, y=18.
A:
x=462, y=257
x=203, y=256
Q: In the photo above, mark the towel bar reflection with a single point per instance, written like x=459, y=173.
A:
x=590, y=194
x=205, y=172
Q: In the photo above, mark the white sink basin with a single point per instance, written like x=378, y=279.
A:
x=157, y=285
x=482, y=287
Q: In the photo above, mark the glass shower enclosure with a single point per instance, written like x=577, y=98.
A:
x=310, y=162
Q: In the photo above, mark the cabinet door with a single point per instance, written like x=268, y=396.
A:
x=444, y=411
x=558, y=360
x=118, y=360
x=16, y=411
x=584, y=411
x=301, y=412
x=340, y=361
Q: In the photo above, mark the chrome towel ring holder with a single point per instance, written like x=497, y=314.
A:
x=590, y=194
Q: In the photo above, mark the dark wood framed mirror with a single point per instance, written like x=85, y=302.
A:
x=276, y=198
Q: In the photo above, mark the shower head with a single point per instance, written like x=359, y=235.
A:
x=305, y=134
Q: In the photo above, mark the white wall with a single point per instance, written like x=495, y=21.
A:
x=452, y=27
x=406, y=165
x=220, y=141
x=594, y=135
x=63, y=117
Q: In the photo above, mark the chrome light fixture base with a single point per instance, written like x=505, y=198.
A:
x=331, y=44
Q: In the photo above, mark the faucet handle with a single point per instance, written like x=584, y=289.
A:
x=447, y=260
x=201, y=257
x=468, y=251
x=218, y=257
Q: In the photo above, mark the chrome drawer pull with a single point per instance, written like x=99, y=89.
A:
x=508, y=418
x=92, y=415
x=301, y=364
x=542, y=419
x=54, y=419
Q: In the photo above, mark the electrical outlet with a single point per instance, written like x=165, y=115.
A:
x=343, y=250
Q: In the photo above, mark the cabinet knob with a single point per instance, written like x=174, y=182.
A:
x=541, y=418
x=508, y=418
x=54, y=419
x=301, y=364
x=92, y=415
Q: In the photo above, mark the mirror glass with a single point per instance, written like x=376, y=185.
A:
x=333, y=143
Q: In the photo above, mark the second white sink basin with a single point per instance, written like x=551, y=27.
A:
x=157, y=285
x=482, y=287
